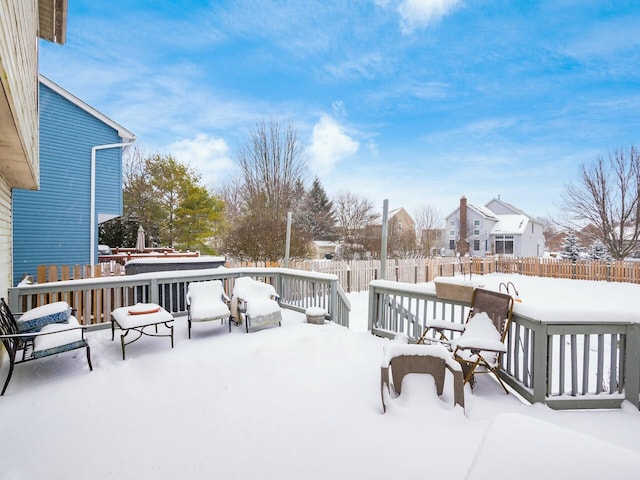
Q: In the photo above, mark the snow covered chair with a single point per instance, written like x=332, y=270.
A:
x=256, y=303
x=434, y=360
x=40, y=332
x=482, y=341
x=207, y=301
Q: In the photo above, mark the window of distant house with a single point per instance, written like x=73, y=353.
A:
x=452, y=244
x=452, y=223
x=476, y=245
x=476, y=223
x=476, y=232
x=399, y=226
x=531, y=227
x=452, y=233
x=504, y=244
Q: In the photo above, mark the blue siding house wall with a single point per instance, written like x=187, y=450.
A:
x=52, y=226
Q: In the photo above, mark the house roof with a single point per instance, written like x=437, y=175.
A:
x=123, y=133
x=514, y=209
x=52, y=19
x=324, y=243
x=393, y=213
x=510, y=224
x=484, y=211
x=479, y=209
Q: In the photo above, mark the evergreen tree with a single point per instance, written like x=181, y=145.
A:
x=118, y=232
x=316, y=215
x=599, y=251
x=570, y=248
x=168, y=200
x=197, y=213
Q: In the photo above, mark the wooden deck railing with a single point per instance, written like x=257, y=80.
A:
x=564, y=365
x=95, y=298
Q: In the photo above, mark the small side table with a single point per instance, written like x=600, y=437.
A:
x=138, y=317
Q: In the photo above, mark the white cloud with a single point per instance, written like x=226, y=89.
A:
x=207, y=155
x=372, y=146
x=422, y=13
x=329, y=145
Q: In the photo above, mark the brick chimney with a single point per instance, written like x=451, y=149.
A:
x=463, y=245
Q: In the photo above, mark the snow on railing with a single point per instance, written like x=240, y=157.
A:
x=95, y=298
x=566, y=366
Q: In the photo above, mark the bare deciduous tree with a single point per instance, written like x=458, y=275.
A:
x=271, y=184
x=428, y=229
x=272, y=167
x=607, y=195
x=353, y=215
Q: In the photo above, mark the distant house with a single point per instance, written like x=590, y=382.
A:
x=22, y=22
x=495, y=228
x=324, y=249
x=401, y=231
x=80, y=184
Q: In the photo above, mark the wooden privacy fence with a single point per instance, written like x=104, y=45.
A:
x=356, y=275
x=55, y=273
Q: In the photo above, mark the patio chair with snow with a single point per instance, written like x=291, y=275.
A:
x=40, y=332
x=207, y=301
x=256, y=303
x=481, y=343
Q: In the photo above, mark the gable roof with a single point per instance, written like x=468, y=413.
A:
x=391, y=214
x=510, y=224
x=514, y=209
x=484, y=211
x=123, y=133
x=479, y=209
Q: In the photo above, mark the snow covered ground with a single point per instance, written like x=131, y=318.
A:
x=300, y=401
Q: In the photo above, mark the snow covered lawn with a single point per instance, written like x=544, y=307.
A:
x=299, y=401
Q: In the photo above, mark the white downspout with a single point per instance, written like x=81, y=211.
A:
x=92, y=238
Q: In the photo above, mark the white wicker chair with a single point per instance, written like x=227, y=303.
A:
x=207, y=301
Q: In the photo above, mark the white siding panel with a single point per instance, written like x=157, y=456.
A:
x=19, y=77
x=5, y=237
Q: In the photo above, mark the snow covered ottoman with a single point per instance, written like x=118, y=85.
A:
x=139, y=317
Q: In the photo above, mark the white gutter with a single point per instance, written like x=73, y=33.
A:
x=92, y=238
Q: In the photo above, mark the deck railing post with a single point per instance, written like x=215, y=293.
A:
x=632, y=365
x=154, y=292
x=373, y=307
x=333, y=300
x=540, y=362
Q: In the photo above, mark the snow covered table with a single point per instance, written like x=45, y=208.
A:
x=137, y=318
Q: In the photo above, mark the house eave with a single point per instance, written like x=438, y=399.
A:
x=123, y=133
x=52, y=20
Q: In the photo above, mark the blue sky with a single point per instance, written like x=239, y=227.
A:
x=416, y=101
